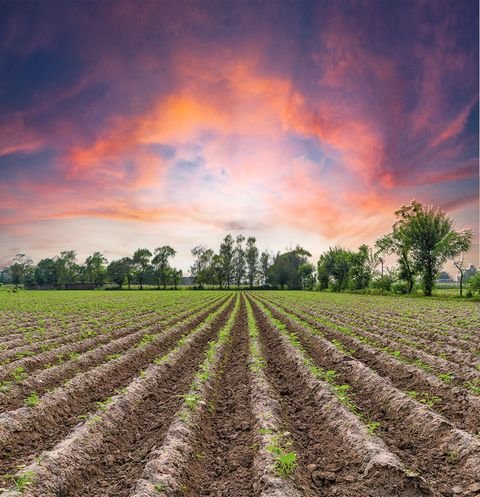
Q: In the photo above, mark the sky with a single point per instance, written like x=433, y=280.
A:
x=127, y=124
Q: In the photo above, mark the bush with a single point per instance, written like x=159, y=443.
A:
x=474, y=283
x=383, y=283
x=400, y=287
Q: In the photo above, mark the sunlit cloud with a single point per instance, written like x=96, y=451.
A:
x=248, y=119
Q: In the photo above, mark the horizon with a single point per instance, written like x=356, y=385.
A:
x=128, y=125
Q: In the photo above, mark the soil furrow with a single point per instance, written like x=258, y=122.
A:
x=457, y=405
x=224, y=449
x=107, y=459
x=336, y=457
x=26, y=432
x=52, y=377
x=425, y=442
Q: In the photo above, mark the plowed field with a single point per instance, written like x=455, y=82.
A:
x=238, y=394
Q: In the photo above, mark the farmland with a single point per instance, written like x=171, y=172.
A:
x=217, y=393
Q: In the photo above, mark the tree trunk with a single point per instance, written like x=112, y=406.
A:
x=461, y=283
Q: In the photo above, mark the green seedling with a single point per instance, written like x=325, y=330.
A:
x=372, y=427
x=112, y=357
x=146, y=339
x=446, y=377
x=286, y=464
x=21, y=481
x=32, y=400
x=19, y=374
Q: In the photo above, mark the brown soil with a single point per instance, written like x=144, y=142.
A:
x=119, y=461
x=224, y=450
x=421, y=441
x=39, y=429
x=457, y=405
x=47, y=379
x=326, y=466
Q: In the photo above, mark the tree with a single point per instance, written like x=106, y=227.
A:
x=95, y=268
x=307, y=277
x=129, y=266
x=117, y=271
x=175, y=276
x=334, y=268
x=265, y=266
x=141, y=260
x=285, y=270
x=66, y=267
x=429, y=234
x=45, y=272
x=474, y=283
x=458, y=262
x=226, y=253
x=239, y=262
x=216, y=268
x=360, y=272
x=396, y=243
x=161, y=264
x=251, y=256
x=19, y=268
x=201, y=268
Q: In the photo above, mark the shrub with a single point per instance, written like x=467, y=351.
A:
x=474, y=283
x=400, y=287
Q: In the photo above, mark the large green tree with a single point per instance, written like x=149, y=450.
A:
x=201, y=269
x=66, y=267
x=431, y=239
x=22, y=264
x=265, y=261
x=285, y=270
x=117, y=271
x=141, y=261
x=161, y=262
x=239, y=261
x=95, y=268
x=227, y=252
x=45, y=272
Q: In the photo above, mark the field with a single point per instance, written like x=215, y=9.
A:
x=238, y=394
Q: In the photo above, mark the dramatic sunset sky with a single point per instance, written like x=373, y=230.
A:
x=127, y=124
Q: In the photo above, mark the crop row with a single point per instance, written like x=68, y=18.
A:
x=251, y=395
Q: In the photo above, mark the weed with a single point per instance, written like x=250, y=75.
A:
x=112, y=357
x=146, y=339
x=5, y=385
x=102, y=405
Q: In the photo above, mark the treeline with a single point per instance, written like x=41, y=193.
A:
x=422, y=240
x=62, y=271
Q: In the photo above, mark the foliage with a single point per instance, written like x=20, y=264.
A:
x=141, y=259
x=161, y=263
x=285, y=270
x=474, y=283
x=424, y=239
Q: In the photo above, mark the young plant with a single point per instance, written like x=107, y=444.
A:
x=21, y=481
x=32, y=400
